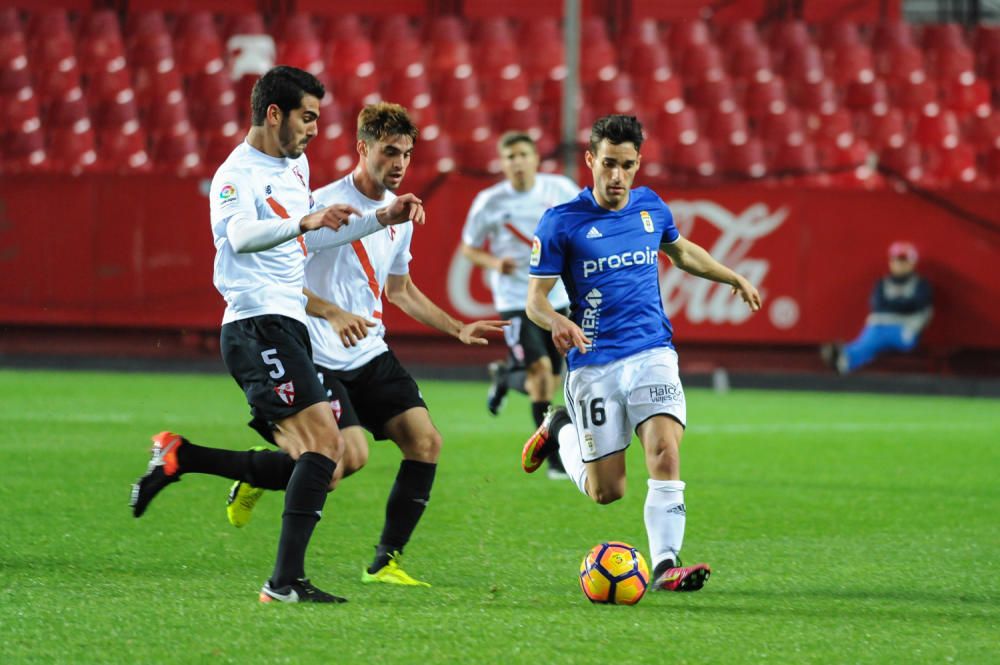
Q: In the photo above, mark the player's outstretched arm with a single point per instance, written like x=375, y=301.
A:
x=404, y=294
x=350, y=327
x=693, y=258
x=487, y=261
x=565, y=334
x=339, y=230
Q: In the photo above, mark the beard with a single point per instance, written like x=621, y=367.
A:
x=289, y=147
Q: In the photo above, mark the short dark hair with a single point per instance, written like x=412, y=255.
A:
x=507, y=139
x=617, y=129
x=284, y=87
x=377, y=122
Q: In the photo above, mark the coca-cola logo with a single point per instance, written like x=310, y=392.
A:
x=704, y=301
x=698, y=300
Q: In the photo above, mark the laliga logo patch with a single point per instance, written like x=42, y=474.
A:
x=286, y=392
x=536, y=251
x=336, y=408
x=647, y=221
x=227, y=194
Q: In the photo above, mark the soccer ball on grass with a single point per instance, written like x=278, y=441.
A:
x=614, y=573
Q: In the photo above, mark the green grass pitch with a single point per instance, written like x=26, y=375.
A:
x=841, y=529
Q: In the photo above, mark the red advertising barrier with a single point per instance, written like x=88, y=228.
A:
x=137, y=252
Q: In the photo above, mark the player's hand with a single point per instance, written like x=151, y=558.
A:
x=404, y=208
x=567, y=335
x=350, y=327
x=472, y=333
x=332, y=217
x=507, y=265
x=747, y=293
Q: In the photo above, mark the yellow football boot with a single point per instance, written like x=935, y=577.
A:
x=391, y=573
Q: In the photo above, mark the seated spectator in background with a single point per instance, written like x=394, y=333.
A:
x=900, y=310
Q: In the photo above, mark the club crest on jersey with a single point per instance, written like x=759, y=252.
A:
x=286, y=392
x=536, y=251
x=298, y=174
x=647, y=221
x=336, y=408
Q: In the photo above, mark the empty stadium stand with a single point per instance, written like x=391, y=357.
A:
x=837, y=103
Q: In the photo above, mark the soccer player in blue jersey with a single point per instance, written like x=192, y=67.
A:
x=623, y=374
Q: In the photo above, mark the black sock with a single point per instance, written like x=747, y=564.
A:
x=267, y=469
x=304, y=501
x=538, y=410
x=407, y=501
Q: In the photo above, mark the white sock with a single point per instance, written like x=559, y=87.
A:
x=665, y=517
x=572, y=458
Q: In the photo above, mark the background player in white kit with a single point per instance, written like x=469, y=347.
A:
x=366, y=384
x=260, y=206
x=623, y=373
x=505, y=215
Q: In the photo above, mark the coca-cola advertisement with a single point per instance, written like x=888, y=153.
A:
x=813, y=254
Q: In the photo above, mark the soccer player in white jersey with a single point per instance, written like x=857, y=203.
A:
x=505, y=215
x=623, y=373
x=367, y=386
x=260, y=207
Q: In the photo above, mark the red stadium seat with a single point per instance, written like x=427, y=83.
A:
x=781, y=128
x=803, y=66
x=739, y=34
x=542, y=50
x=10, y=22
x=795, y=159
x=299, y=45
x=410, y=91
x=902, y=63
x=750, y=62
x=940, y=129
x=985, y=130
x=904, y=162
x=743, y=160
x=717, y=93
x=644, y=60
x=177, y=153
x=436, y=155
x=614, y=96
x=479, y=156
x=117, y=112
x=943, y=36
x=661, y=90
x=654, y=158
x=598, y=63
x=867, y=96
x=886, y=130
x=820, y=97
x=122, y=149
x=991, y=165
x=198, y=45
x=954, y=64
x=687, y=35
x=967, y=99
x=212, y=99
x=789, y=36
x=725, y=128
x=351, y=56
x=852, y=63
x=68, y=109
x=23, y=152
x=220, y=140
x=830, y=125
x=693, y=162
x=767, y=96
x=677, y=127
x=100, y=46
x=504, y=92
x=916, y=97
x=72, y=148
x=952, y=166
x=702, y=62
x=19, y=112
x=839, y=34
x=892, y=33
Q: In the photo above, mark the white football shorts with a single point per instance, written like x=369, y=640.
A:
x=608, y=402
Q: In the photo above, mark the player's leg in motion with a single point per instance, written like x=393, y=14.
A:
x=311, y=437
x=173, y=456
x=420, y=444
x=540, y=383
x=665, y=512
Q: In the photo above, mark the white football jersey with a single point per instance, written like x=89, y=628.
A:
x=253, y=185
x=507, y=218
x=353, y=277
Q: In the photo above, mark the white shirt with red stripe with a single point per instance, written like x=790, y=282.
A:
x=507, y=218
x=251, y=185
x=353, y=277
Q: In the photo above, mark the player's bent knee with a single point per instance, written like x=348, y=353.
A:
x=424, y=448
x=605, y=496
